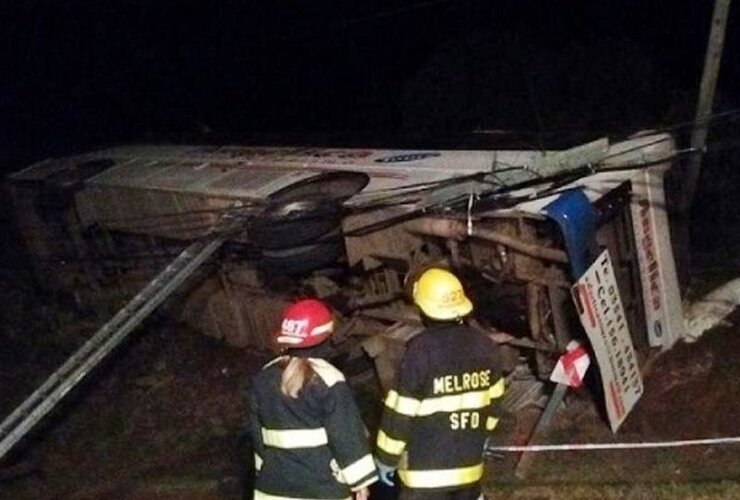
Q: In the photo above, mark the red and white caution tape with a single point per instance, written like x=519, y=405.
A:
x=613, y=446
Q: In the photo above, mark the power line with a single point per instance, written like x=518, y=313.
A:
x=727, y=115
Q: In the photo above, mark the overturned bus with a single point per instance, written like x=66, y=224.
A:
x=553, y=246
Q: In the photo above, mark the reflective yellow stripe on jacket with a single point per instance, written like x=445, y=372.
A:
x=402, y=404
x=471, y=400
x=390, y=445
x=295, y=438
x=258, y=495
x=359, y=470
x=441, y=478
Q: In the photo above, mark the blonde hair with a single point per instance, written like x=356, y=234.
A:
x=297, y=372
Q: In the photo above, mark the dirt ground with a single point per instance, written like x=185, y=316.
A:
x=169, y=408
x=162, y=420
x=690, y=393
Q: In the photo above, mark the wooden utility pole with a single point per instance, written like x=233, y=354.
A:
x=712, y=61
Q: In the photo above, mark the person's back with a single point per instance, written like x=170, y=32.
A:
x=300, y=435
x=309, y=439
x=442, y=404
x=438, y=414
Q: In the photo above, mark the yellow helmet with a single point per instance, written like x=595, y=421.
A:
x=440, y=295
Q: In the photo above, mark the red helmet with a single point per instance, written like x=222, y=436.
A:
x=305, y=324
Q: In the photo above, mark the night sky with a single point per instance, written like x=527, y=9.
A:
x=77, y=74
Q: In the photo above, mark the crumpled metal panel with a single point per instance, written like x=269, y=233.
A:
x=573, y=213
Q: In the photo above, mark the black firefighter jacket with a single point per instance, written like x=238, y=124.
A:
x=311, y=447
x=436, y=418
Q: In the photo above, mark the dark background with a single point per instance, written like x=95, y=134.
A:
x=76, y=74
x=80, y=74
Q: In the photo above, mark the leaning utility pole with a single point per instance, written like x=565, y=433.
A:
x=712, y=61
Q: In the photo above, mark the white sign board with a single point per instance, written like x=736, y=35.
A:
x=601, y=313
x=660, y=290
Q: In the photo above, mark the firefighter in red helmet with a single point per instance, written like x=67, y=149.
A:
x=309, y=439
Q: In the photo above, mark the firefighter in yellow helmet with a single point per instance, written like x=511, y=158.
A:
x=443, y=403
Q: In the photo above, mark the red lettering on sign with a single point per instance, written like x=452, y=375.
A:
x=616, y=399
x=651, y=263
x=586, y=299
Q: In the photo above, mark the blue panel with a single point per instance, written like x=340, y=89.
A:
x=576, y=217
